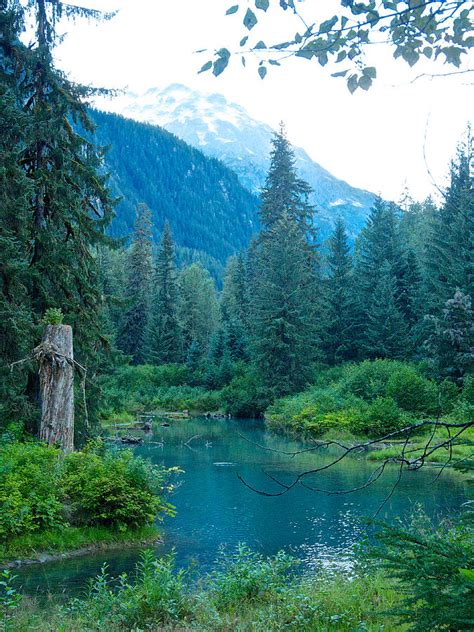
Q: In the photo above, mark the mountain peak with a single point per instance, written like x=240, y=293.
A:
x=224, y=130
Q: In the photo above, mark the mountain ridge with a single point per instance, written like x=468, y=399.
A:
x=224, y=130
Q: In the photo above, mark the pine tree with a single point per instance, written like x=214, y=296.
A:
x=339, y=333
x=133, y=329
x=283, y=328
x=163, y=344
x=284, y=192
x=57, y=173
x=409, y=288
x=386, y=334
x=452, y=343
x=451, y=248
x=235, y=308
x=198, y=309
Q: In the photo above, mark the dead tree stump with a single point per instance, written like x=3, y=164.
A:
x=56, y=370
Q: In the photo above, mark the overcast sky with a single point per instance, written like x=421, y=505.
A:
x=399, y=133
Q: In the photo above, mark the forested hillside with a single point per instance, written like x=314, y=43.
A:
x=209, y=211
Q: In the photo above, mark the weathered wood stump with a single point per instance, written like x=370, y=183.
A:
x=56, y=370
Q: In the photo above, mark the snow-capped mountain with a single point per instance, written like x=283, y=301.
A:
x=225, y=131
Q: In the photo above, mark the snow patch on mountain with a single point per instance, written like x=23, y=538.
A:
x=224, y=130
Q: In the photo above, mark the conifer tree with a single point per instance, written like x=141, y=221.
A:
x=340, y=317
x=284, y=192
x=451, y=248
x=57, y=173
x=284, y=332
x=235, y=308
x=163, y=344
x=452, y=343
x=386, y=333
x=198, y=309
x=133, y=329
x=409, y=288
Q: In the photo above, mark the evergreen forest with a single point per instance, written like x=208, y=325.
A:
x=198, y=308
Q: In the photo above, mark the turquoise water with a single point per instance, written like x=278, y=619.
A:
x=215, y=509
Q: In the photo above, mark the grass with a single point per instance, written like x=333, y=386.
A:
x=68, y=539
x=324, y=603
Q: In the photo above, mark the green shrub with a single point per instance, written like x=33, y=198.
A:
x=246, y=577
x=116, y=490
x=379, y=418
x=29, y=496
x=412, y=392
x=369, y=379
x=245, y=396
x=52, y=316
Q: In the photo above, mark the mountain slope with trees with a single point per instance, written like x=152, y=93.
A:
x=211, y=215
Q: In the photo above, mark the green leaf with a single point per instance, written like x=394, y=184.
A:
x=262, y=4
x=328, y=24
x=259, y=45
x=274, y=62
x=222, y=62
x=370, y=71
x=365, y=82
x=262, y=71
x=243, y=41
x=352, y=83
x=207, y=66
x=250, y=20
x=232, y=9
x=341, y=73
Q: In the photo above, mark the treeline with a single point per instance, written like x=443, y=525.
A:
x=287, y=303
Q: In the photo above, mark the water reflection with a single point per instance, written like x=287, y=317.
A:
x=216, y=510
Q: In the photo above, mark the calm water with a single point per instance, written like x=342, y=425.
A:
x=215, y=509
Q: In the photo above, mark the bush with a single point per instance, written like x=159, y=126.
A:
x=41, y=490
x=117, y=490
x=247, y=577
x=29, y=495
x=369, y=379
x=379, y=418
x=412, y=392
x=245, y=396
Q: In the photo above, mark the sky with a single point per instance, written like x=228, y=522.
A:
x=399, y=135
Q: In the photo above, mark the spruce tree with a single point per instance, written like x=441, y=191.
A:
x=386, y=333
x=451, y=249
x=283, y=328
x=235, y=308
x=198, y=309
x=60, y=186
x=284, y=192
x=338, y=339
x=163, y=344
x=133, y=329
x=452, y=344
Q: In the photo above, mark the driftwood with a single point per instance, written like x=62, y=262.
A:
x=56, y=371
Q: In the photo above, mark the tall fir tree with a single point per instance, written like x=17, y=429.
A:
x=235, y=308
x=386, y=333
x=163, y=343
x=198, y=309
x=284, y=192
x=451, y=346
x=450, y=262
x=132, y=335
x=65, y=204
x=283, y=328
x=339, y=334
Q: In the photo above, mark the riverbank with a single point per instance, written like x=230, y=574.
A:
x=69, y=542
x=245, y=592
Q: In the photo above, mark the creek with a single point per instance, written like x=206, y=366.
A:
x=215, y=509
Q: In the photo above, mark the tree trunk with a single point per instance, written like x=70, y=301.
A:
x=57, y=387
